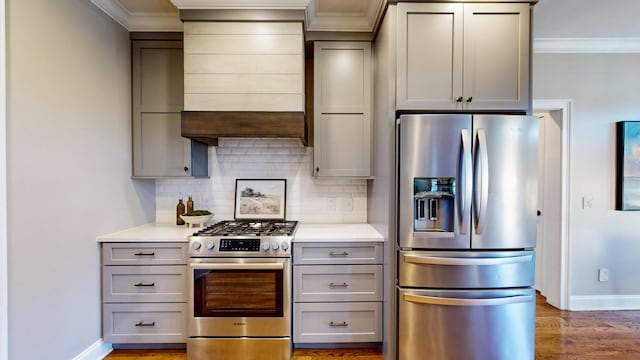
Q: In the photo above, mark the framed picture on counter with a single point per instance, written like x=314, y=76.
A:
x=260, y=199
x=628, y=165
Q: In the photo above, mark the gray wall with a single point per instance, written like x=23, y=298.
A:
x=605, y=88
x=69, y=161
x=586, y=18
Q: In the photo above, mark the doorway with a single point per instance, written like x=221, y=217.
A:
x=552, y=259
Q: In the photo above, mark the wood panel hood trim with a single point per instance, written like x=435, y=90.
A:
x=208, y=126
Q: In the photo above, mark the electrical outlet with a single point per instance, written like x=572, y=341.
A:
x=603, y=275
x=331, y=204
x=348, y=204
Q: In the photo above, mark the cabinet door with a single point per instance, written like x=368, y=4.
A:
x=320, y=283
x=496, y=56
x=342, y=109
x=145, y=323
x=144, y=283
x=158, y=147
x=429, y=61
x=334, y=322
x=335, y=253
x=169, y=253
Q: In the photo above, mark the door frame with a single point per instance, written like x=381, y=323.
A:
x=4, y=265
x=565, y=106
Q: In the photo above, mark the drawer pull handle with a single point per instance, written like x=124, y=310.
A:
x=333, y=285
x=145, y=284
x=153, y=323
x=340, y=324
x=145, y=254
x=335, y=253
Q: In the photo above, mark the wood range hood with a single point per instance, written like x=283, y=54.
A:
x=244, y=75
x=208, y=126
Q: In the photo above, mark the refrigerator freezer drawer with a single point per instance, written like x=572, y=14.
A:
x=465, y=269
x=470, y=325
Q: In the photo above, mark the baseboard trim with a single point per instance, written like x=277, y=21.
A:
x=604, y=302
x=98, y=350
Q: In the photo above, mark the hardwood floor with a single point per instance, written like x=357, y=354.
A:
x=298, y=354
x=560, y=335
x=592, y=335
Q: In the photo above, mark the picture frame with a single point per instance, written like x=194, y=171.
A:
x=260, y=199
x=628, y=165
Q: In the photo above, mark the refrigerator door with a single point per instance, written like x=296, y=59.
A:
x=434, y=181
x=466, y=270
x=505, y=175
x=470, y=325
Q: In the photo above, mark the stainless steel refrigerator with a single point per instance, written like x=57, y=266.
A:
x=467, y=217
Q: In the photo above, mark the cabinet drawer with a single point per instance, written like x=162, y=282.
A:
x=144, y=254
x=145, y=323
x=337, y=253
x=337, y=322
x=318, y=283
x=144, y=283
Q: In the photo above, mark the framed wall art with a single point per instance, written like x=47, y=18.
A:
x=261, y=199
x=628, y=165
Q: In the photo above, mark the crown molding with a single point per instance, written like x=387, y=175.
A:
x=361, y=22
x=586, y=45
x=139, y=21
x=317, y=21
x=239, y=4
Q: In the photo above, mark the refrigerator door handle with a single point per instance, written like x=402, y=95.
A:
x=481, y=180
x=467, y=302
x=464, y=176
x=437, y=260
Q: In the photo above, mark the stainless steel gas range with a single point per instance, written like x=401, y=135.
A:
x=240, y=291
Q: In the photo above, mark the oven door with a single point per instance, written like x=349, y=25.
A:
x=239, y=297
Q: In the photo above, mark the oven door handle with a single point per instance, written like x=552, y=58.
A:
x=238, y=266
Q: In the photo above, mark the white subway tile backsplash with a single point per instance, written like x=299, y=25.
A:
x=237, y=158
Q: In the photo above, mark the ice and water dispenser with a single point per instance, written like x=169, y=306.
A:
x=433, y=204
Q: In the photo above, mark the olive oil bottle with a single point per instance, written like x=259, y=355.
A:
x=179, y=211
x=189, y=205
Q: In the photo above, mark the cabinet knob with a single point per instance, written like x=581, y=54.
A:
x=186, y=169
x=317, y=170
x=470, y=99
x=459, y=99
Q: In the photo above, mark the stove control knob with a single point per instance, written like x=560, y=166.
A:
x=211, y=245
x=266, y=246
x=275, y=246
x=285, y=246
x=196, y=245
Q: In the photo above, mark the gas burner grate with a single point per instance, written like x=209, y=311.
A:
x=249, y=228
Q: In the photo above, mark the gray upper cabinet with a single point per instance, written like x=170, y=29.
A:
x=454, y=56
x=342, y=109
x=159, y=150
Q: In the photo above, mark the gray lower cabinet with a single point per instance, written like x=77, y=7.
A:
x=144, y=292
x=337, y=292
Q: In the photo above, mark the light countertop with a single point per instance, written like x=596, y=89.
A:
x=336, y=232
x=152, y=232
x=164, y=232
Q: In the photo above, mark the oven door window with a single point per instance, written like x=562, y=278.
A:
x=233, y=293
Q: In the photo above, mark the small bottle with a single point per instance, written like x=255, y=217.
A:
x=189, y=205
x=179, y=211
